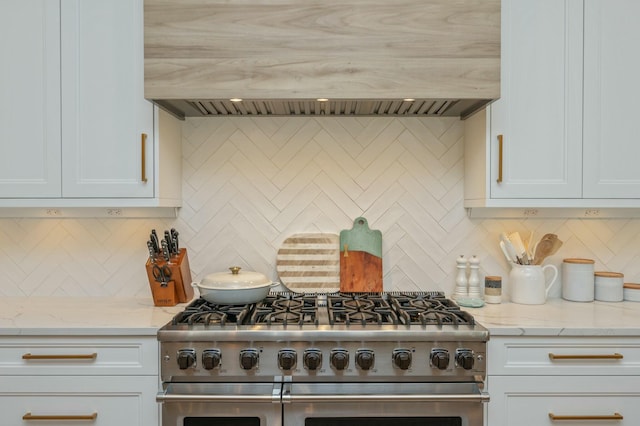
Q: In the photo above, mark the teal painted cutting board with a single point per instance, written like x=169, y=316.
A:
x=360, y=258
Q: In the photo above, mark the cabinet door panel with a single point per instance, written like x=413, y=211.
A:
x=611, y=92
x=29, y=99
x=103, y=105
x=538, y=114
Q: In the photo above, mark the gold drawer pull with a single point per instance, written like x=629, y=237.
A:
x=614, y=416
x=30, y=416
x=606, y=356
x=70, y=356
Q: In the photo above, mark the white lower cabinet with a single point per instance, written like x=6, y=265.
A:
x=549, y=400
x=94, y=400
x=537, y=381
x=101, y=381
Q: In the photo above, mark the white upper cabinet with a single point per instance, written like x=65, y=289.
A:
x=566, y=116
x=30, y=161
x=75, y=128
x=611, y=93
x=538, y=115
x=104, y=113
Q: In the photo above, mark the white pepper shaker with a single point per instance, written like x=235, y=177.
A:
x=474, y=278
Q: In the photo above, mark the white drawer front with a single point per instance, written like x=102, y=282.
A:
x=79, y=356
x=596, y=401
x=564, y=356
x=115, y=401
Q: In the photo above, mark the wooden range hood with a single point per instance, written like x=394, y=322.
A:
x=367, y=57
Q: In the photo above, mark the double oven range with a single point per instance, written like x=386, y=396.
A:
x=375, y=359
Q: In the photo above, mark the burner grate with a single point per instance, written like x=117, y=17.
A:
x=286, y=309
x=360, y=308
x=365, y=309
x=202, y=312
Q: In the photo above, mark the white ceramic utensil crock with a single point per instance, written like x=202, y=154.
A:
x=528, y=284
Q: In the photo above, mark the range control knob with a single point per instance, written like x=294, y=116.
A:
x=401, y=358
x=464, y=358
x=439, y=358
x=339, y=358
x=186, y=358
x=312, y=359
x=365, y=358
x=211, y=358
x=248, y=358
x=287, y=359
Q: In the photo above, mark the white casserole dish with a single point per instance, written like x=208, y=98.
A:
x=235, y=287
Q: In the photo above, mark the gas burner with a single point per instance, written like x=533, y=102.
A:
x=286, y=309
x=439, y=317
x=202, y=312
x=429, y=309
x=360, y=308
x=288, y=304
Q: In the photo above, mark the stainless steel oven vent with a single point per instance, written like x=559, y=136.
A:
x=311, y=107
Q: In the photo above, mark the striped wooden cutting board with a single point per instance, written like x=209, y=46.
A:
x=310, y=263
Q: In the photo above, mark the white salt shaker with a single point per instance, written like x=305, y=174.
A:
x=461, y=278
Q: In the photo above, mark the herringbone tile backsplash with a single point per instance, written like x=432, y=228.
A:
x=250, y=183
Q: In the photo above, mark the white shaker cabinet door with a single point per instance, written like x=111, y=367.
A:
x=104, y=111
x=539, y=114
x=29, y=99
x=611, y=93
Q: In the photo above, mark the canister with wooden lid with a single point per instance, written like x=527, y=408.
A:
x=609, y=286
x=578, y=283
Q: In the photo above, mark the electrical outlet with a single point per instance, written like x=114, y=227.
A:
x=592, y=213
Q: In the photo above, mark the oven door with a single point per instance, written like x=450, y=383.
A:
x=383, y=404
x=221, y=404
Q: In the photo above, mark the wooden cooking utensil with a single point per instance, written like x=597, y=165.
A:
x=547, y=246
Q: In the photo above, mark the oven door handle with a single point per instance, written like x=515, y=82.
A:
x=170, y=397
x=288, y=397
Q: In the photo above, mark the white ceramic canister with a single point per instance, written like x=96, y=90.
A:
x=578, y=283
x=609, y=286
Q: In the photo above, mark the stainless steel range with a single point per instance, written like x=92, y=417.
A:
x=324, y=359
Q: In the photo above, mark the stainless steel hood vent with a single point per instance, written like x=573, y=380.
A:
x=312, y=107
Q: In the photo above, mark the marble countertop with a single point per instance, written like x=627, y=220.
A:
x=125, y=316
x=559, y=317
x=29, y=316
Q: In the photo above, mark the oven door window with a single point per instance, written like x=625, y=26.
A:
x=395, y=421
x=221, y=421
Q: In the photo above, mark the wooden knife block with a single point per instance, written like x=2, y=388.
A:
x=178, y=289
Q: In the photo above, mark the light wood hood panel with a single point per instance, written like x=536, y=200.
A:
x=295, y=49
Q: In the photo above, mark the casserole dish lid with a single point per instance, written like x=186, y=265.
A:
x=234, y=280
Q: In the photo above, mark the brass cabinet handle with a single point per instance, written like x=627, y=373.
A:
x=614, y=416
x=499, y=180
x=143, y=140
x=65, y=356
x=553, y=356
x=29, y=416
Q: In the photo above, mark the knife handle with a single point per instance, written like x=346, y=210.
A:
x=165, y=250
x=152, y=252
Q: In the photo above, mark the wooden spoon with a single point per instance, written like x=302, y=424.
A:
x=547, y=246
